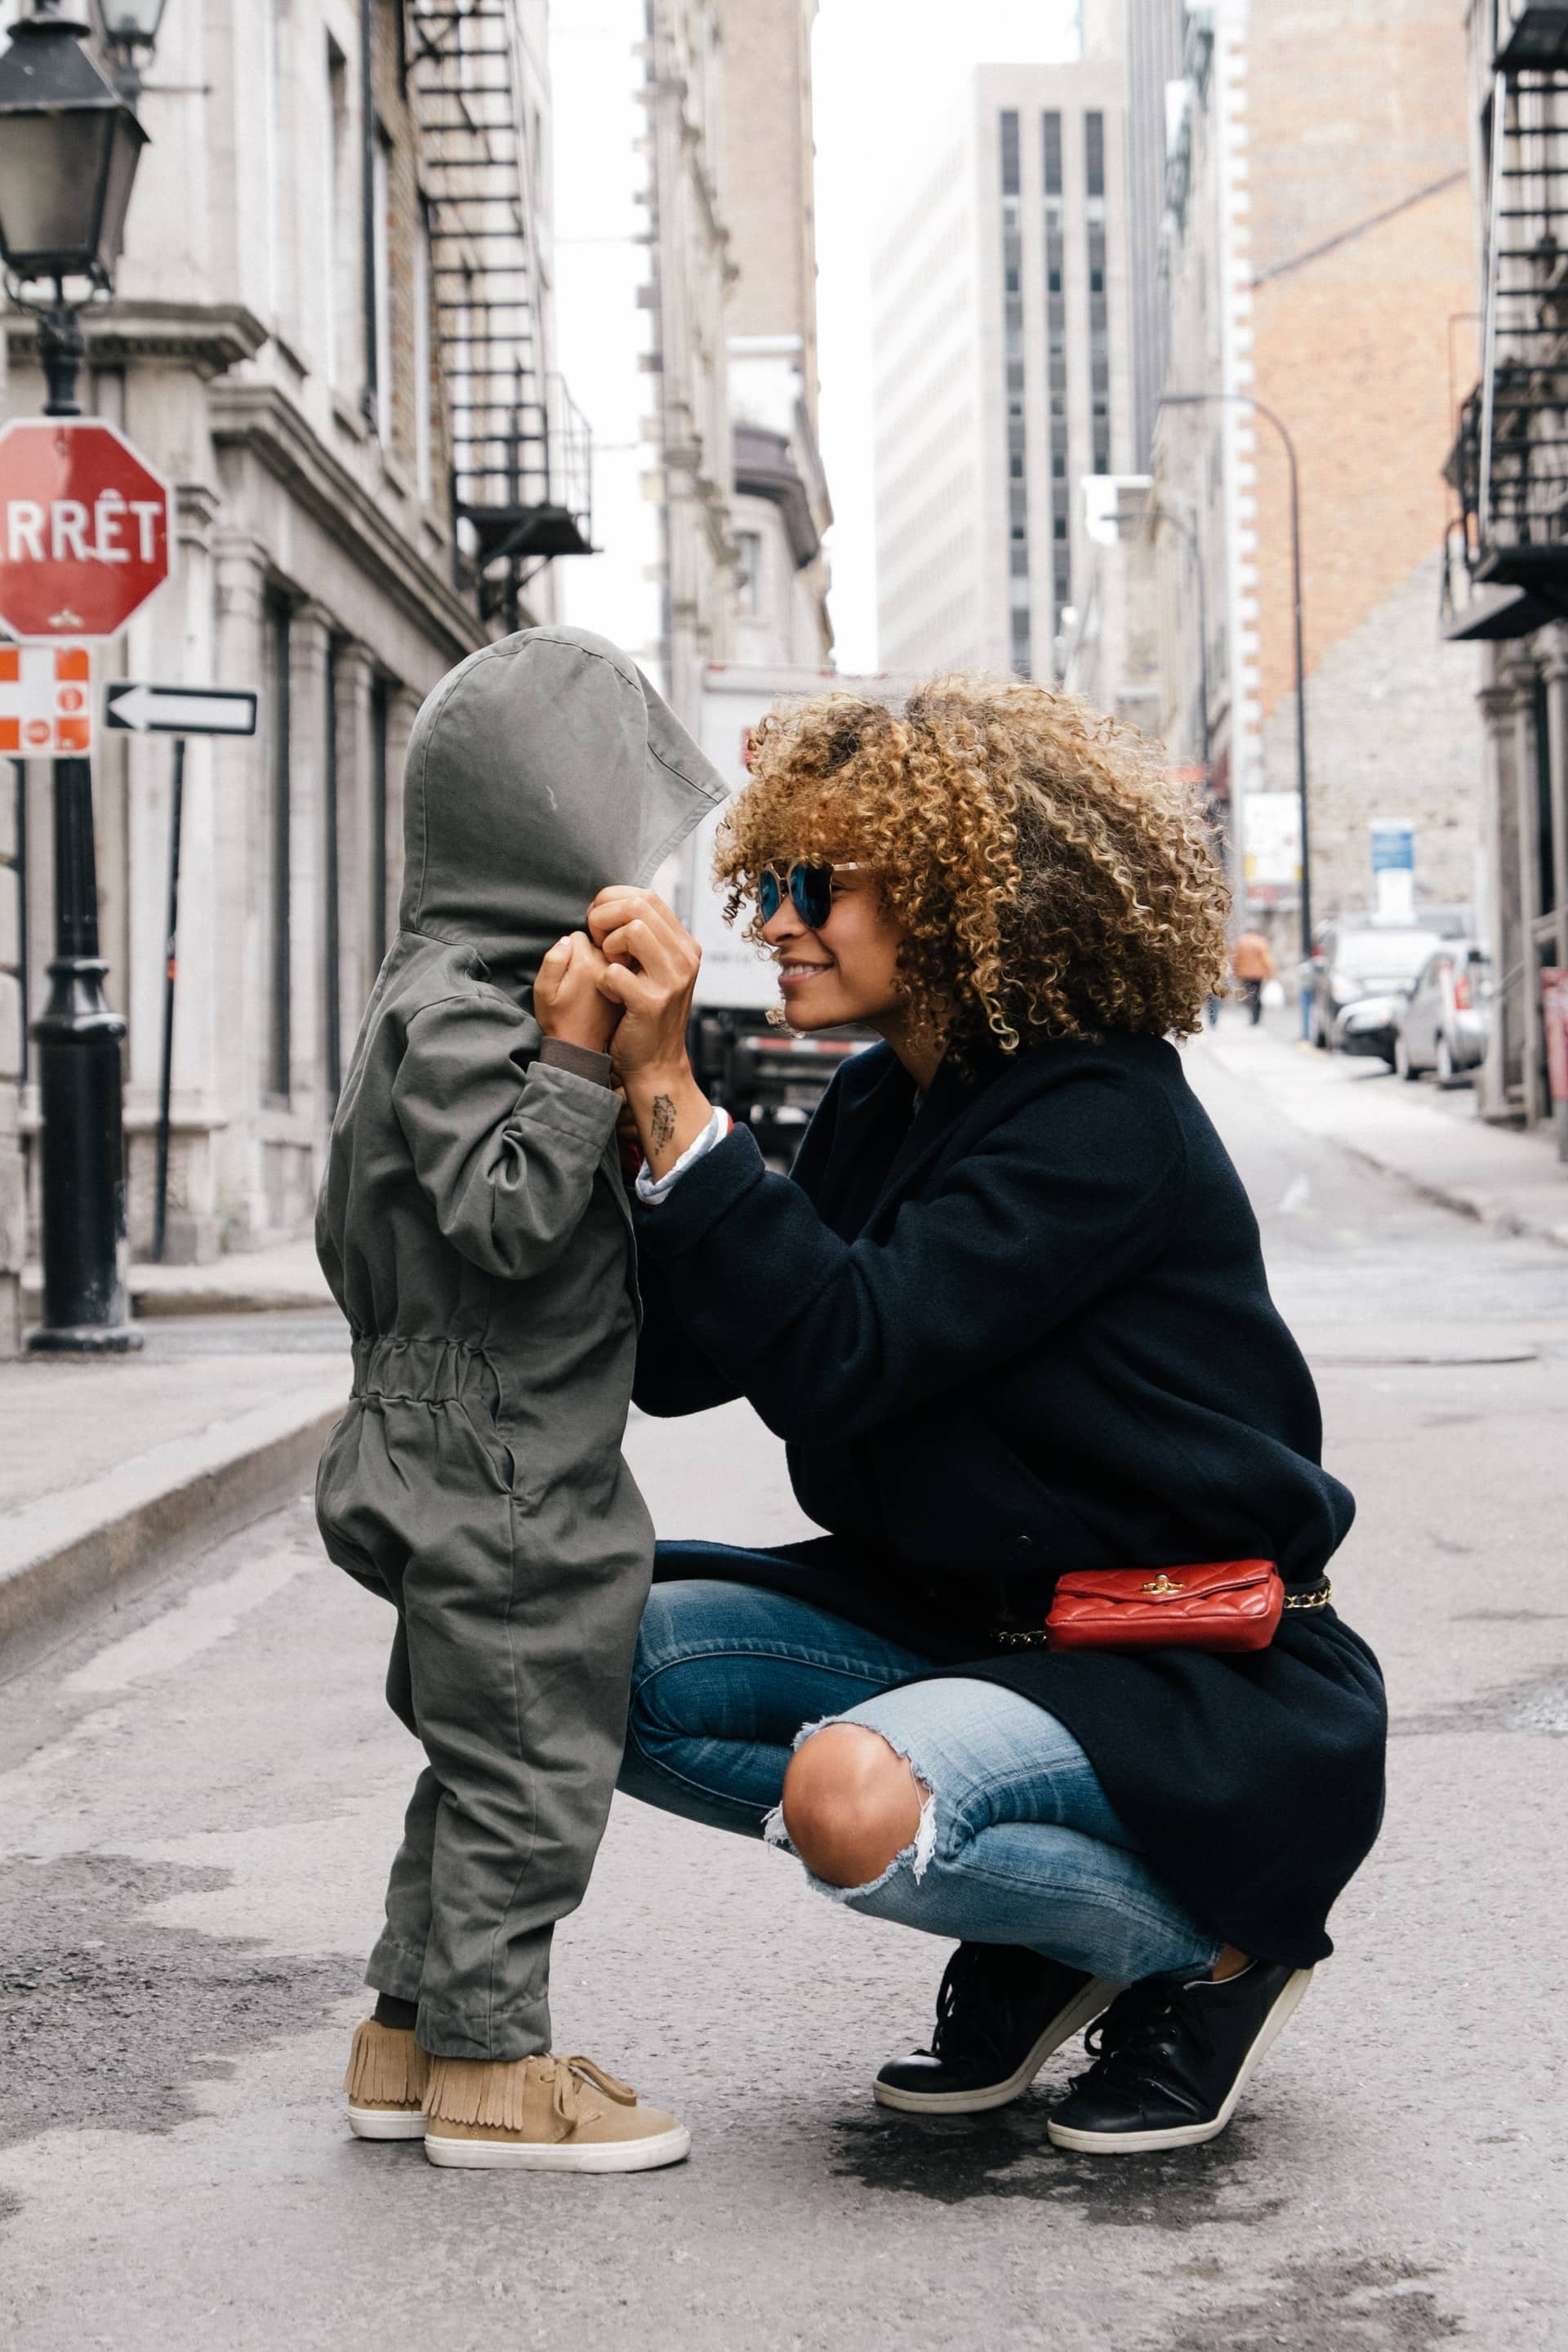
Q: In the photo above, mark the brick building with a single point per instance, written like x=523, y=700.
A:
x=1332, y=230
x=330, y=332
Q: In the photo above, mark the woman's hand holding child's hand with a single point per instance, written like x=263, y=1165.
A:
x=567, y=1001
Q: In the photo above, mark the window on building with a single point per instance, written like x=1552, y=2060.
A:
x=1051, y=143
x=424, y=382
x=749, y=566
x=279, y=929
x=1094, y=153
x=1013, y=325
x=381, y=279
x=342, y=250
x=1545, y=856
x=279, y=182
x=1009, y=154
x=380, y=706
x=332, y=900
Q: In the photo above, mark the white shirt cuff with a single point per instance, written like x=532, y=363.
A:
x=650, y=1193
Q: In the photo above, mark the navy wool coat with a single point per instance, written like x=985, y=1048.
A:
x=1019, y=1325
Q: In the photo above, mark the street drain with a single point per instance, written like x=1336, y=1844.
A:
x=105, y=2020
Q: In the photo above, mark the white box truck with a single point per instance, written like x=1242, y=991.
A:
x=765, y=1077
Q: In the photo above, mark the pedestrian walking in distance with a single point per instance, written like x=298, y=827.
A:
x=1252, y=965
x=1009, y=1313
x=474, y=1227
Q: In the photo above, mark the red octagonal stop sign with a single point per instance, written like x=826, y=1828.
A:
x=86, y=527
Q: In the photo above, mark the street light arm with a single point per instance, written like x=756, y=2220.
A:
x=1261, y=408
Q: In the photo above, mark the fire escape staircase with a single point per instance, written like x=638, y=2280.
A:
x=1507, y=572
x=518, y=448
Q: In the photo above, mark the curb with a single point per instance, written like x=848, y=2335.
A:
x=122, y=1531
x=1497, y=1206
x=147, y=1303
x=1478, y=1207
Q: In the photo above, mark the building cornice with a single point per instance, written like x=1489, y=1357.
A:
x=766, y=469
x=256, y=417
x=208, y=336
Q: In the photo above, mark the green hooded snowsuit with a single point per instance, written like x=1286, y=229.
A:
x=474, y=1228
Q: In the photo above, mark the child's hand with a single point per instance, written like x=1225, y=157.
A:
x=566, y=999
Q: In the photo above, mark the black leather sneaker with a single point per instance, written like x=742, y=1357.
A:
x=1000, y=2013
x=1171, y=2060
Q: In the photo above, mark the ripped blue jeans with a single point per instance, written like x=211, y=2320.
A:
x=1018, y=1842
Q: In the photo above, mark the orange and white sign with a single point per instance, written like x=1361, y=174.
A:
x=45, y=701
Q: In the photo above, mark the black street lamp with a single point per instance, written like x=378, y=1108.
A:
x=1246, y=400
x=129, y=27
x=70, y=144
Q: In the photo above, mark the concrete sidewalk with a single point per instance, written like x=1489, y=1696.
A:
x=248, y=1282
x=114, y=1468
x=1432, y=1142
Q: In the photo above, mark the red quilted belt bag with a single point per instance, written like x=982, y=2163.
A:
x=1228, y=1604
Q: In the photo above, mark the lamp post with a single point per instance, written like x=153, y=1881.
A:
x=1258, y=408
x=129, y=27
x=70, y=144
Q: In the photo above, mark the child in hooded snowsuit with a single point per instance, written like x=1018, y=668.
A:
x=474, y=1228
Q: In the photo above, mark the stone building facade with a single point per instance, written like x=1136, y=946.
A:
x=310, y=318
x=780, y=507
x=690, y=274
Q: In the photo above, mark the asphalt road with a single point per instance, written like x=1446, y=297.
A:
x=198, y=1799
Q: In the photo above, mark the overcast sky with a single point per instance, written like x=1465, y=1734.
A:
x=884, y=72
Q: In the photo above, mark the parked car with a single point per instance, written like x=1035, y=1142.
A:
x=1360, y=974
x=1444, y=1021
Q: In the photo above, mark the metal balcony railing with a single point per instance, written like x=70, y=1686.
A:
x=518, y=446
x=1508, y=547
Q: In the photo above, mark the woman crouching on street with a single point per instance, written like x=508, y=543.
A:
x=1010, y=1313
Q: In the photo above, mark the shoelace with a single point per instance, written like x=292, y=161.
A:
x=567, y=2097
x=963, y=2033
x=1123, y=2043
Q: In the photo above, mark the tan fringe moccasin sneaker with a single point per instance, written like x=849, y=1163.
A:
x=387, y=2081
x=543, y=2114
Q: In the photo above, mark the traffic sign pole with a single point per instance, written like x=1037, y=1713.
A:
x=86, y=537
x=166, y=1065
x=83, y=1148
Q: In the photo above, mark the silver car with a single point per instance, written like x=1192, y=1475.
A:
x=1443, y=1023
x=1360, y=974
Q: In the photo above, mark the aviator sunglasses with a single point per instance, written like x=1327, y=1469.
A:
x=809, y=887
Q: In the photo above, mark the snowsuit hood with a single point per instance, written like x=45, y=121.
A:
x=541, y=769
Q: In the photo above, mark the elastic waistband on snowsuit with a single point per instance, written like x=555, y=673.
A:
x=425, y=1371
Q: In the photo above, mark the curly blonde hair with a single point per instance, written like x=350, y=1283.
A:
x=1052, y=879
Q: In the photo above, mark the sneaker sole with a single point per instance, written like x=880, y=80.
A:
x=540, y=2156
x=387, y=2123
x=1096, y=1996
x=1089, y=2143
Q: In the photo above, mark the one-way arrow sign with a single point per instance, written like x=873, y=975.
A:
x=180, y=709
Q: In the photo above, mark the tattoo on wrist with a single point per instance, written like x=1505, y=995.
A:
x=662, y=1122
